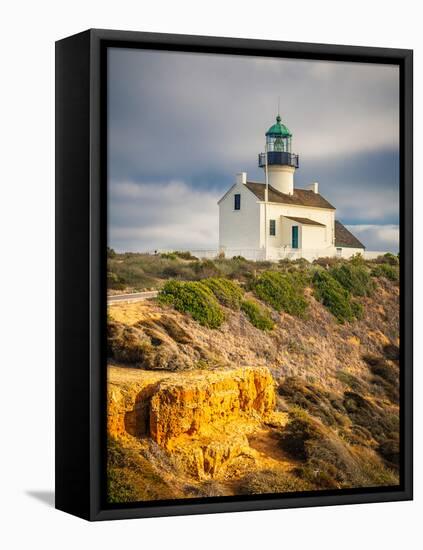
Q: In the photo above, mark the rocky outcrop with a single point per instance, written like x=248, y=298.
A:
x=192, y=407
x=203, y=416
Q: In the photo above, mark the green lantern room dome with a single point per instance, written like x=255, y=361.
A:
x=278, y=130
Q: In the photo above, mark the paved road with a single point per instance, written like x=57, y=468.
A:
x=134, y=297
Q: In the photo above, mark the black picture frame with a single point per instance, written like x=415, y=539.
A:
x=81, y=238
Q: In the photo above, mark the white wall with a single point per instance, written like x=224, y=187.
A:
x=239, y=228
x=313, y=236
x=286, y=226
x=281, y=178
x=283, y=225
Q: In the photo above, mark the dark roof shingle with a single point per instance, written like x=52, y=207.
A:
x=300, y=197
x=344, y=238
x=305, y=221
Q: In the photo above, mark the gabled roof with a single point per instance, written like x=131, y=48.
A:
x=344, y=238
x=305, y=221
x=300, y=197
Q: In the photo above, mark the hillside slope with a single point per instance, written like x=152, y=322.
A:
x=195, y=411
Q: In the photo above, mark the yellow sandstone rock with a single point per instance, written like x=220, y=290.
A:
x=194, y=405
x=204, y=417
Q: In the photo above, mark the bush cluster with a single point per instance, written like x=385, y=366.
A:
x=168, y=255
x=388, y=271
x=335, y=297
x=354, y=278
x=329, y=462
x=205, y=269
x=388, y=258
x=185, y=255
x=226, y=292
x=257, y=315
x=110, y=252
x=385, y=376
x=114, y=281
x=194, y=298
x=282, y=291
x=314, y=399
x=125, y=344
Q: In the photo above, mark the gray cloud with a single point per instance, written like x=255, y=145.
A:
x=170, y=215
x=199, y=119
x=378, y=237
x=176, y=216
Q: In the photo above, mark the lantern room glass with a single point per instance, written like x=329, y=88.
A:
x=278, y=143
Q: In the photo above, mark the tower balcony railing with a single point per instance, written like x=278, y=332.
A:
x=278, y=157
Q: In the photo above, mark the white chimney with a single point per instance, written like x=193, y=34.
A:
x=314, y=187
x=241, y=178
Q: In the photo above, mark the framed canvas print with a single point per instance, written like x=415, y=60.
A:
x=234, y=275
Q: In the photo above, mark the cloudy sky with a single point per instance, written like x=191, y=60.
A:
x=180, y=126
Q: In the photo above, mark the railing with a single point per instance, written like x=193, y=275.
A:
x=278, y=157
x=275, y=253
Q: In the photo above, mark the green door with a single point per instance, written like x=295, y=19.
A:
x=295, y=236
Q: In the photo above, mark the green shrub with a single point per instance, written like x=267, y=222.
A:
x=114, y=281
x=326, y=460
x=168, y=255
x=314, y=399
x=357, y=309
x=329, y=261
x=185, y=255
x=357, y=259
x=227, y=292
x=138, y=270
x=300, y=429
x=335, y=297
x=387, y=271
x=350, y=380
x=178, y=271
x=239, y=258
x=390, y=451
x=110, y=252
x=282, y=291
x=257, y=315
x=205, y=268
x=390, y=258
x=392, y=352
x=194, y=298
x=385, y=376
x=354, y=278
x=236, y=268
x=366, y=414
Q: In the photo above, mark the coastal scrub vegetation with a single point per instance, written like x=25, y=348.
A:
x=257, y=315
x=330, y=292
x=194, y=298
x=282, y=291
x=226, y=292
x=340, y=285
x=354, y=278
x=328, y=461
x=334, y=361
x=389, y=271
x=130, y=477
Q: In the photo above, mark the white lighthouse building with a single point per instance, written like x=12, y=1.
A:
x=274, y=219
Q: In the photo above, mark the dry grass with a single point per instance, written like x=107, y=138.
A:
x=339, y=383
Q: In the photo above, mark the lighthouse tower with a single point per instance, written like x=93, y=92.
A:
x=278, y=160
